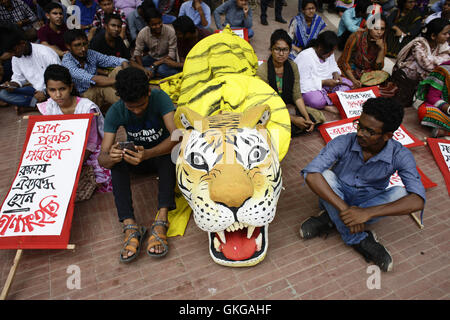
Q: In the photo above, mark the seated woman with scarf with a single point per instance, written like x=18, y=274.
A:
x=434, y=112
x=403, y=25
x=64, y=100
x=364, y=52
x=282, y=75
x=319, y=72
x=419, y=57
x=305, y=27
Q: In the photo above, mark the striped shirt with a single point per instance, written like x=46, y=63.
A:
x=99, y=18
x=82, y=77
x=20, y=11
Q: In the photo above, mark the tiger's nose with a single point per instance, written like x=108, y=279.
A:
x=230, y=185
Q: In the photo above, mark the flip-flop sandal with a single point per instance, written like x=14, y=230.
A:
x=136, y=238
x=158, y=239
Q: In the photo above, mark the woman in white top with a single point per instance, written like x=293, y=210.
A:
x=64, y=100
x=319, y=72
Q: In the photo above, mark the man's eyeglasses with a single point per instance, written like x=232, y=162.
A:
x=281, y=50
x=357, y=125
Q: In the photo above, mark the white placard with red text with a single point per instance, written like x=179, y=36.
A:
x=352, y=101
x=333, y=129
x=41, y=191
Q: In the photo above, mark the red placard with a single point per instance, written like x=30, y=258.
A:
x=335, y=99
x=242, y=32
x=440, y=148
x=47, y=241
x=331, y=129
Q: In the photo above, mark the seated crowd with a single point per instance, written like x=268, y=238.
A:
x=104, y=65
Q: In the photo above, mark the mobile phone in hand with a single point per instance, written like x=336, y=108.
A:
x=129, y=145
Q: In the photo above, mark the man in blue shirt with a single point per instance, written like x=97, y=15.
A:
x=198, y=11
x=84, y=65
x=351, y=175
x=237, y=15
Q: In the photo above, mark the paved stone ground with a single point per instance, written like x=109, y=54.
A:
x=293, y=269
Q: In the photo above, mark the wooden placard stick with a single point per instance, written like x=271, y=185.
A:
x=416, y=220
x=12, y=271
x=11, y=274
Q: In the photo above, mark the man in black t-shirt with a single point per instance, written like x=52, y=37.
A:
x=108, y=40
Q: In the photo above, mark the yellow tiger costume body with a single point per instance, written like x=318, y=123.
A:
x=236, y=129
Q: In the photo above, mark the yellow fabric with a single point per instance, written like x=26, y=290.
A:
x=179, y=217
x=219, y=75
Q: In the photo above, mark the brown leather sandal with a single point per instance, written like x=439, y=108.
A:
x=158, y=239
x=133, y=242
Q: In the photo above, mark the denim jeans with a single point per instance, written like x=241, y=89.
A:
x=22, y=97
x=120, y=175
x=360, y=197
x=163, y=69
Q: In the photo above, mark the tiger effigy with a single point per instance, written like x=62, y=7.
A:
x=236, y=130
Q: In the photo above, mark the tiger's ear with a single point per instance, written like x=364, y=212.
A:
x=256, y=116
x=186, y=118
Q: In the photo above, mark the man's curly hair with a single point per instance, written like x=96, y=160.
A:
x=131, y=84
x=385, y=110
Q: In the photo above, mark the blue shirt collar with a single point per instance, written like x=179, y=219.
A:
x=384, y=155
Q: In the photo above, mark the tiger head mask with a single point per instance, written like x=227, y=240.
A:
x=229, y=172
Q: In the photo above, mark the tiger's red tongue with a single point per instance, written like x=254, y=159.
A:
x=238, y=247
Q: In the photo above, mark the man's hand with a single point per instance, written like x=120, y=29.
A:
x=115, y=154
x=40, y=96
x=357, y=228
x=354, y=216
x=132, y=157
x=197, y=5
x=9, y=86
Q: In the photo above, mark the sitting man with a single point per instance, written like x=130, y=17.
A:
x=52, y=34
x=187, y=37
x=29, y=61
x=17, y=12
x=99, y=22
x=108, y=40
x=237, y=15
x=198, y=11
x=148, y=118
x=162, y=43
x=91, y=82
x=353, y=192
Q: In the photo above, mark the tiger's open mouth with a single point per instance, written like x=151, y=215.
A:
x=238, y=245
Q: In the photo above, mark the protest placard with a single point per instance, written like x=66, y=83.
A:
x=241, y=32
x=352, y=102
x=37, y=211
x=440, y=148
x=333, y=129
